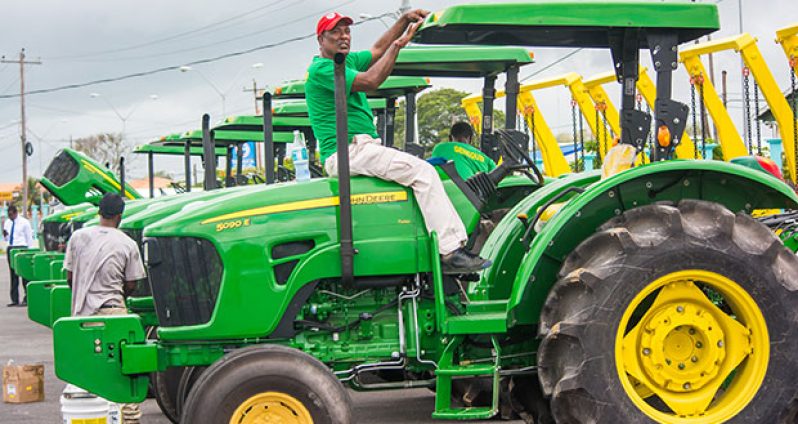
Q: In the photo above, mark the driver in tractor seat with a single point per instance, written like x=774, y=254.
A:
x=467, y=159
x=365, y=71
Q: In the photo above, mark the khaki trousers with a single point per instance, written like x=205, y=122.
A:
x=367, y=156
x=131, y=412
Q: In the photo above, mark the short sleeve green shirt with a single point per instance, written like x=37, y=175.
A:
x=320, y=97
x=467, y=159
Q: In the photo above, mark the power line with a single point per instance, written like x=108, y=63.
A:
x=176, y=67
x=214, y=26
x=551, y=65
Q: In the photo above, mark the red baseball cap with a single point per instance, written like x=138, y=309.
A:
x=330, y=20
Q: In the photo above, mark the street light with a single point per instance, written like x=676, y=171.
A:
x=121, y=117
x=186, y=68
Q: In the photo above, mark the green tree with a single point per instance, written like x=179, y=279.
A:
x=437, y=111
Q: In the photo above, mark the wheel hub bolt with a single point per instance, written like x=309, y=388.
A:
x=680, y=309
x=686, y=386
x=667, y=361
x=646, y=351
x=699, y=345
x=692, y=331
x=694, y=359
x=720, y=343
x=681, y=365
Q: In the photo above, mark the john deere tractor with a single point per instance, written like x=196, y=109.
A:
x=647, y=295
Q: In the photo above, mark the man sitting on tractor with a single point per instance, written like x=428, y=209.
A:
x=365, y=71
x=467, y=159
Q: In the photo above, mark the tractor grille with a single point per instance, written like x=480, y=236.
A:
x=62, y=169
x=55, y=234
x=185, y=274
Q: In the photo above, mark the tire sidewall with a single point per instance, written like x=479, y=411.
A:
x=751, y=272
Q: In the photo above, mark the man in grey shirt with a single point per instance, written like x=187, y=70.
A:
x=103, y=265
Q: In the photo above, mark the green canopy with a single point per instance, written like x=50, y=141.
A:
x=224, y=137
x=463, y=62
x=392, y=87
x=254, y=123
x=300, y=108
x=160, y=148
x=294, y=89
x=565, y=23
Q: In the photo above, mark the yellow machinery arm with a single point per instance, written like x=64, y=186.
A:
x=579, y=93
x=554, y=162
x=730, y=139
x=646, y=87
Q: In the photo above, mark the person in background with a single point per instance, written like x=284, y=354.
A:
x=468, y=160
x=19, y=235
x=103, y=266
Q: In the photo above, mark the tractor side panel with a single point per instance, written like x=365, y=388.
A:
x=738, y=188
x=268, y=258
x=504, y=246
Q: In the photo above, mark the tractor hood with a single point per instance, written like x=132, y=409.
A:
x=256, y=204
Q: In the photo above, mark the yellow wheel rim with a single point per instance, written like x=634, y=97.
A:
x=703, y=361
x=271, y=408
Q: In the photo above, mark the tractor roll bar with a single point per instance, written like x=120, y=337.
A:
x=122, y=177
x=208, y=153
x=342, y=153
x=268, y=138
x=187, y=163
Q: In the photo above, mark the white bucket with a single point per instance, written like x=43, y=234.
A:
x=81, y=407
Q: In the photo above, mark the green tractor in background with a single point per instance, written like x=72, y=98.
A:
x=647, y=295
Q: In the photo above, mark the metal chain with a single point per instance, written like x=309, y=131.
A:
x=695, y=116
x=703, y=114
x=747, y=109
x=573, y=120
x=793, y=86
x=756, y=119
x=534, y=136
x=582, y=140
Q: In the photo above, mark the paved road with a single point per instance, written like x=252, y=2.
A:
x=27, y=342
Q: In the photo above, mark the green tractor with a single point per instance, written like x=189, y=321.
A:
x=649, y=295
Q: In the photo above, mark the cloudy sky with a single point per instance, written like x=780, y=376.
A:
x=86, y=40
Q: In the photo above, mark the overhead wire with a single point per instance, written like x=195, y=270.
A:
x=213, y=26
x=176, y=67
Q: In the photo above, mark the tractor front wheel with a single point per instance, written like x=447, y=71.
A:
x=268, y=383
x=683, y=314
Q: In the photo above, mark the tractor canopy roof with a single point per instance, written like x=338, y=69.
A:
x=227, y=137
x=572, y=24
x=254, y=123
x=392, y=87
x=459, y=61
x=163, y=147
x=300, y=107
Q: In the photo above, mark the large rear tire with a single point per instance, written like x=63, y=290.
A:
x=682, y=314
x=268, y=383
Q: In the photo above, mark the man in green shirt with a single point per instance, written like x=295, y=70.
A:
x=467, y=159
x=366, y=71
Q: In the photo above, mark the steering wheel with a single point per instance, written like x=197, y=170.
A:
x=518, y=155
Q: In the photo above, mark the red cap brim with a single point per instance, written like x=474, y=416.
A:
x=332, y=23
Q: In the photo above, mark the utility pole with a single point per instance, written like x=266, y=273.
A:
x=257, y=94
x=405, y=6
x=23, y=130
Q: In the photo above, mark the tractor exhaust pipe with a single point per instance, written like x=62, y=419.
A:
x=209, y=153
x=344, y=189
x=268, y=138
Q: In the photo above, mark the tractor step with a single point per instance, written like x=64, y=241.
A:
x=480, y=306
x=447, y=370
x=472, y=370
x=480, y=413
x=477, y=323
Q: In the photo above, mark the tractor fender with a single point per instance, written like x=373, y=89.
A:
x=738, y=188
